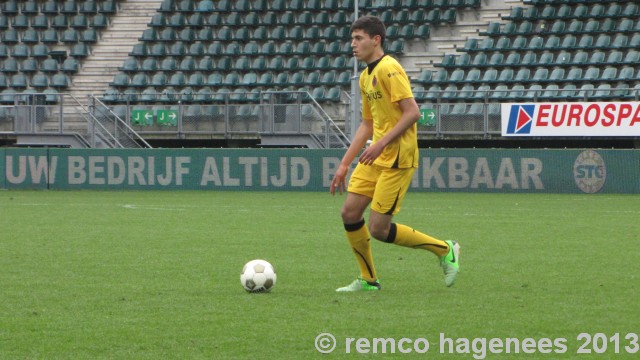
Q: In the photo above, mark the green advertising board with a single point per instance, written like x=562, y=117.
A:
x=461, y=170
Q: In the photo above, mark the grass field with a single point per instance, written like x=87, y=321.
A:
x=155, y=275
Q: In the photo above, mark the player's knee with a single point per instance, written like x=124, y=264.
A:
x=349, y=216
x=379, y=231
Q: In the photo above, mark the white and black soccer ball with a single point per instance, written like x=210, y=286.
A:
x=258, y=276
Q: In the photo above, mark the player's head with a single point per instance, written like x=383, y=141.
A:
x=367, y=37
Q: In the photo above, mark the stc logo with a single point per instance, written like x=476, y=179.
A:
x=520, y=119
x=589, y=171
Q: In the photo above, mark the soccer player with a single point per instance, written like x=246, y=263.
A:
x=385, y=168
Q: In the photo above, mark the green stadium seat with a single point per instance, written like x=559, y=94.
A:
x=19, y=81
x=70, y=36
x=177, y=79
x=597, y=57
x=557, y=75
x=20, y=22
x=522, y=76
x=178, y=49
x=69, y=7
x=187, y=64
x=4, y=82
x=631, y=57
x=109, y=7
x=59, y=22
x=39, y=51
x=614, y=57
x=49, y=7
x=10, y=36
x=196, y=79
x=259, y=64
x=265, y=79
x=214, y=79
x=79, y=21
x=505, y=76
x=297, y=78
x=231, y=79
x=49, y=66
x=60, y=81
x=205, y=64
x=21, y=51
x=169, y=64
x=574, y=74
x=609, y=74
x=29, y=65
x=196, y=49
x=89, y=36
x=140, y=80
x=513, y=59
x=149, y=65
x=242, y=63
x=129, y=65
x=99, y=21
x=223, y=63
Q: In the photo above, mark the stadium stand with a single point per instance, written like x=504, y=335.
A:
x=210, y=51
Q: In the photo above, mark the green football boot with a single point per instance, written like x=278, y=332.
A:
x=450, y=263
x=360, y=284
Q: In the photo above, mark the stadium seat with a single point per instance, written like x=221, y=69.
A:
x=29, y=65
x=60, y=81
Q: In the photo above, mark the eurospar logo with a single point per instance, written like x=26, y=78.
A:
x=571, y=119
x=520, y=119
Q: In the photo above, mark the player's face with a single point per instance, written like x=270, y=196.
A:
x=364, y=46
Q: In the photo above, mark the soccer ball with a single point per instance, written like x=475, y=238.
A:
x=258, y=276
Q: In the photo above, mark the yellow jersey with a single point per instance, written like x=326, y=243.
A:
x=382, y=84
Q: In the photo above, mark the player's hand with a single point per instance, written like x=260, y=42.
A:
x=339, y=180
x=370, y=154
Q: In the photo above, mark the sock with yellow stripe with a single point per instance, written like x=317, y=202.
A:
x=405, y=236
x=359, y=239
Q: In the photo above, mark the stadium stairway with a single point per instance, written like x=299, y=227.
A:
x=109, y=53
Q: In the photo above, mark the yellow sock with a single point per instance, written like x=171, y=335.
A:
x=359, y=239
x=406, y=236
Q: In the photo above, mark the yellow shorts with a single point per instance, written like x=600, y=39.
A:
x=385, y=186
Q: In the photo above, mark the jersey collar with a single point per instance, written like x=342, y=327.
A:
x=372, y=65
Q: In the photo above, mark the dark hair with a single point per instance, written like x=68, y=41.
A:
x=371, y=25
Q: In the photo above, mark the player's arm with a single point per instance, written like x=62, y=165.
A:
x=410, y=115
x=364, y=133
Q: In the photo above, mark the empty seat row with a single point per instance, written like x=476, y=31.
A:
x=537, y=75
x=33, y=7
x=206, y=95
x=532, y=92
x=49, y=36
x=232, y=78
x=181, y=49
x=560, y=27
x=553, y=43
x=579, y=11
x=31, y=65
x=417, y=4
x=38, y=81
x=241, y=6
x=528, y=59
x=243, y=63
x=225, y=34
x=81, y=21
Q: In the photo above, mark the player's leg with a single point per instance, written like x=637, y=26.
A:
x=391, y=189
x=361, y=186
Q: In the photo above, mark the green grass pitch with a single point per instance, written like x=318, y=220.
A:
x=155, y=275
